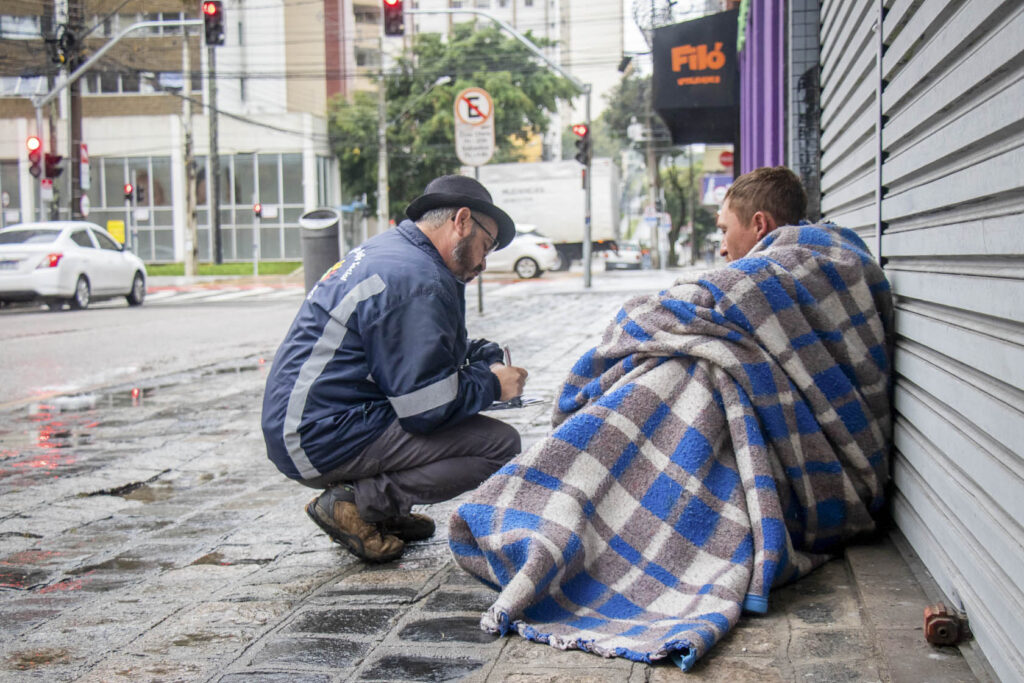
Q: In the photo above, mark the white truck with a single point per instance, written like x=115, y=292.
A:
x=550, y=196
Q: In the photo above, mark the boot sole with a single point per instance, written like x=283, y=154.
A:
x=351, y=542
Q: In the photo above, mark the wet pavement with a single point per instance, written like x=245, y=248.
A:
x=144, y=536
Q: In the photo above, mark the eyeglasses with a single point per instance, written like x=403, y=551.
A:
x=494, y=239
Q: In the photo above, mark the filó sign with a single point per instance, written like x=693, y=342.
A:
x=696, y=78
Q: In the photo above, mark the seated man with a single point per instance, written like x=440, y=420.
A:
x=375, y=392
x=725, y=436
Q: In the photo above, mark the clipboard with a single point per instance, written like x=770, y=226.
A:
x=518, y=402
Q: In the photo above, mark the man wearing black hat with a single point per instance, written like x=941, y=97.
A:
x=375, y=392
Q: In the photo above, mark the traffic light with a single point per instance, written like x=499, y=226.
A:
x=129, y=189
x=35, y=153
x=583, y=143
x=257, y=210
x=213, y=22
x=53, y=165
x=394, y=23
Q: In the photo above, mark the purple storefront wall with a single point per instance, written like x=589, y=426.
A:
x=762, y=87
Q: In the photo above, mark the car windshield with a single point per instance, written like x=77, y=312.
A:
x=36, y=236
x=629, y=246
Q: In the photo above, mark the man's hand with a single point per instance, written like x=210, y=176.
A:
x=512, y=380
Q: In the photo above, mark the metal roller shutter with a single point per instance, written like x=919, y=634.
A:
x=952, y=237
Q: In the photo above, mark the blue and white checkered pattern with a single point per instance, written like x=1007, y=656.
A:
x=725, y=436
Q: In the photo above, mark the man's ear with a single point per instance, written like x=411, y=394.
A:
x=764, y=222
x=463, y=222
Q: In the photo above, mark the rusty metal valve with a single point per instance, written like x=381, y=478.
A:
x=942, y=627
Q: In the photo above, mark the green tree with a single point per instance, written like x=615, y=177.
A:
x=420, y=97
x=630, y=100
x=682, y=194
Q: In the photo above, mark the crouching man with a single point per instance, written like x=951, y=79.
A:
x=375, y=392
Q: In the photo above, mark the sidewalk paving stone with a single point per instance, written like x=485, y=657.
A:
x=159, y=544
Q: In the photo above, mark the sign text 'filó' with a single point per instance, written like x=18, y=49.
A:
x=698, y=58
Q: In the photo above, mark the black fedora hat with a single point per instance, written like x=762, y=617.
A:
x=455, y=191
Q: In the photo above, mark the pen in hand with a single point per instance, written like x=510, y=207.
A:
x=516, y=401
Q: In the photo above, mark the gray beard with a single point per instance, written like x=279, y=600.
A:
x=460, y=254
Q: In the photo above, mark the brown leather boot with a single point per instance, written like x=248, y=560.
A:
x=340, y=520
x=411, y=527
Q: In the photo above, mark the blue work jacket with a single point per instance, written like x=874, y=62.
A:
x=381, y=336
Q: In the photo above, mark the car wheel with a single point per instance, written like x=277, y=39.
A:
x=138, y=293
x=527, y=268
x=82, y=294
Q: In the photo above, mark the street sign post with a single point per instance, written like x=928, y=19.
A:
x=474, y=143
x=474, y=127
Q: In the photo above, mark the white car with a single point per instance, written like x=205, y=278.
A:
x=628, y=256
x=528, y=255
x=72, y=262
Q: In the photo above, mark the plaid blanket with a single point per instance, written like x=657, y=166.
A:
x=725, y=436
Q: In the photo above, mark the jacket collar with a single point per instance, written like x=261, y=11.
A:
x=412, y=233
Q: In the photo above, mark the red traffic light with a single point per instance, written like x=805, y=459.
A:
x=33, y=143
x=211, y=8
x=394, y=22
x=580, y=129
x=128, y=190
x=257, y=210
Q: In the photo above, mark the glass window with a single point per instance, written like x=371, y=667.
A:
x=140, y=167
x=38, y=236
x=163, y=241
x=268, y=179
x=270, y=243
x=291, y=178
x=292, y=243
x=244, y=243
x=105, y=242
x=9, y=185
x=108, y=82
x=81, y=238
x=170, y=80
x=171, y=16
x=113, y=181
x=145, y=248
x=22, y=86
x=160, y=183
x=225, y=180
x=130, y=82
x=245, y=184
x=20, y=28
x=162, y=216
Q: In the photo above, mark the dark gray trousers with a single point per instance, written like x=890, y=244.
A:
x=400, y=469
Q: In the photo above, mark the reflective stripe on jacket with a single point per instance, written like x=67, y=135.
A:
x=382, y=335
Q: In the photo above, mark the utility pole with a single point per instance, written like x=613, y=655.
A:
x=75, y=28
x=191, y=229
x=213, y=181
x=382, y=142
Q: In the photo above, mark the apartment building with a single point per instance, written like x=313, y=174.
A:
x=281, y=61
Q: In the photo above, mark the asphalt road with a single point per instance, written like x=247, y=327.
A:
x=43, y=353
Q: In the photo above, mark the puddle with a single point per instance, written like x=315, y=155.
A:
x=20, y=578
x=151, y=493
x=45, y=439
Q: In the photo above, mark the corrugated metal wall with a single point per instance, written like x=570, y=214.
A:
x=951, y=215
x=849, y=114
